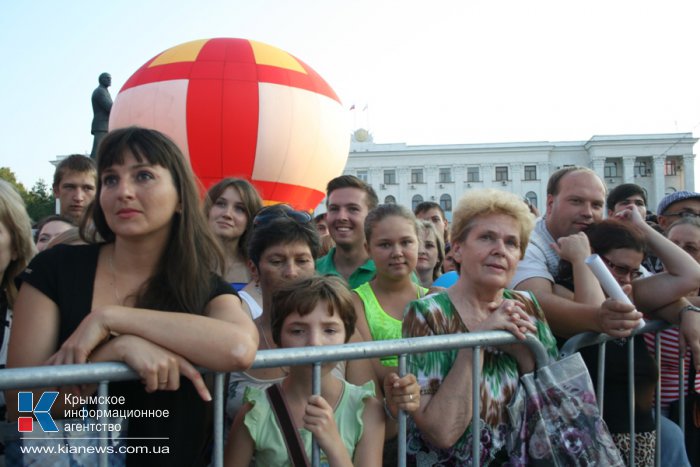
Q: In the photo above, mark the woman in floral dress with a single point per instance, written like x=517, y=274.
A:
x=490, y=231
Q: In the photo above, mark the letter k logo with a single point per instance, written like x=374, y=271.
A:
x=42, y=411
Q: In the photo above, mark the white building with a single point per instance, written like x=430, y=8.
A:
x=660, y=163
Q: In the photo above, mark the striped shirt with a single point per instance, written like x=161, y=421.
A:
x=668, y=364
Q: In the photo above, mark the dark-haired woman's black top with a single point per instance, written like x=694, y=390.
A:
x=66, y=275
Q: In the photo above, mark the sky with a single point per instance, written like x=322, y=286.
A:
x=439, y=72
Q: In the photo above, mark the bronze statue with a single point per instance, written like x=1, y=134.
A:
x=101, y=106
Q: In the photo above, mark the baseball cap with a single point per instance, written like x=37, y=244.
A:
x=674, y=198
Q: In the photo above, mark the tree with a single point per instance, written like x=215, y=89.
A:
x=40, y=201
x=9, y=176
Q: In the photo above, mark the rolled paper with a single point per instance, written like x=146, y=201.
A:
x=608, y=282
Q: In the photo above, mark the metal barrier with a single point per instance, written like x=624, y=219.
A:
x=103, y=373
x=579, y=341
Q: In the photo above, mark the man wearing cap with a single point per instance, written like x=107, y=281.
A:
x=673, y=207
x=676, y=205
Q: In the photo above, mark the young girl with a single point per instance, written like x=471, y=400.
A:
x=431, y=253
x=230, y=207
x=346, y=420
x=392, y=242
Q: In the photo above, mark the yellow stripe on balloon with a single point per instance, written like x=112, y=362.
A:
x=268, y=55
x=186, y=52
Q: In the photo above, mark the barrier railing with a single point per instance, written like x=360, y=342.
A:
x=103, y=373
x=575, y=343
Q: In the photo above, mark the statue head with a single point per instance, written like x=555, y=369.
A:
x=105, y=79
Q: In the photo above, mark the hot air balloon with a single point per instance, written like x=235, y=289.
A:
x=238, y=107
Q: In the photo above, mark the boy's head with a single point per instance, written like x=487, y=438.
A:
x=303, y=296
x=627, y=194
x=74, y=184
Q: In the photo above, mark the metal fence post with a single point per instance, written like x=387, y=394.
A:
x=103, y=392
x=476, y=411
x=657, y=407
x=630, y=397
x=316, y=390
x=219, y=401
x=402, y=419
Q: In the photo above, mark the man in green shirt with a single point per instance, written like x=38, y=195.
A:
x=348, y=200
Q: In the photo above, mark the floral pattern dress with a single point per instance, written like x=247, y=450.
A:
x=436, y=315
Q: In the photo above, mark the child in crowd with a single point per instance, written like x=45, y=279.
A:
x=392, y=236
x=346, y=420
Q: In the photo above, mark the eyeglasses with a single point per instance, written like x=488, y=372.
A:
x=277, y=211
x=684, y=214
x=622, y=270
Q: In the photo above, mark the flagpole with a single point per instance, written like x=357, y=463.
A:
x=366, y=109
x=354, y=117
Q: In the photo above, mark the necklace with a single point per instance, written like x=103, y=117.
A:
x=264, y=335
x=114, y=277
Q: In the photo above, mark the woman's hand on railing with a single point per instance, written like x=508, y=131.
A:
x=509, y=315
x=401, y=393
x=159, y=368
x=90, y=333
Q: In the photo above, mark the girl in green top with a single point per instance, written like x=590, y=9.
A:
x=392, y=235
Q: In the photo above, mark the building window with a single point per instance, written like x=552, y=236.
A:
x=446, y=202
x=362, y=175
x=417, y=199
x=670, y=167
x=390, y=177
x=530, y=172
x=389, y=200
x=610, y=170
x=417, y=176
x=502, y=174
x=445, y=175
x=531, y=198
x=473, y=174
x=642, y=169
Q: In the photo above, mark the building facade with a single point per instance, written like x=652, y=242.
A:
x=408, y=175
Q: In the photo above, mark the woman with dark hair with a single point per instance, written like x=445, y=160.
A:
x=145, y=291
x=621, y=245
x=282, y=249
x=50, y=227
x=230, y=207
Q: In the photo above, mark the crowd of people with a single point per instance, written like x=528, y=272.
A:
x=136, y=268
